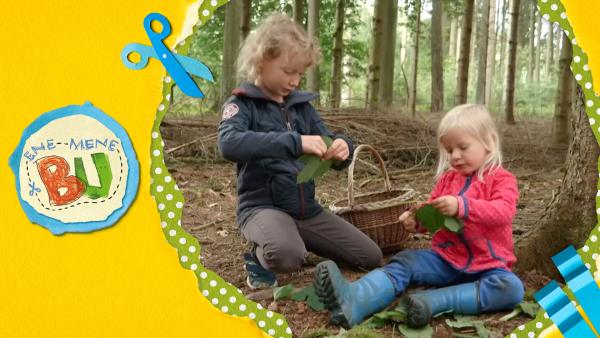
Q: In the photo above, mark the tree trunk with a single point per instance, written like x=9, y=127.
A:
x=404, y=40
x=538, y=49
x=503, y=40
x=452, y=40
x=462, y=70
x=458, y=37
x=313, y=79
x=388, y=56
x=512, y=63
x=562, y=109
x=246, y=18
x=550, y=51
x=571, y=214
x=483, y=49
x=337, y=53
x=415, y=60
x=531, y=65
x=231, y=44
x=491, y=55
x=375, y=55
x=298, y=11
x=474, y=41
x=437, y=58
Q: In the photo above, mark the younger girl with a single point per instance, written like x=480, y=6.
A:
x=473, y=266
x=267, y=124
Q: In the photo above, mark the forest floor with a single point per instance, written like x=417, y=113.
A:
x=408, y=147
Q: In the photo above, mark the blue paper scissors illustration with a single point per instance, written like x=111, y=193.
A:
x=33, y=189
x=178, y=66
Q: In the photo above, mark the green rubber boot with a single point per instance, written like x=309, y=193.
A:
x=461, y=298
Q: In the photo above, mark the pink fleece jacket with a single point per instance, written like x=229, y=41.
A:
x=487, y=209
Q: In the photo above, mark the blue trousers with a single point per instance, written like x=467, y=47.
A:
x=499, y=289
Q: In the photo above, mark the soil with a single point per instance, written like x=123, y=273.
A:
x=408, y=147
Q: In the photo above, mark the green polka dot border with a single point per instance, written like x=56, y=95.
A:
x=554, y=11
x=163, y=188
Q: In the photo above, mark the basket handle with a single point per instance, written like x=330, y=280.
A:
x=386, y=178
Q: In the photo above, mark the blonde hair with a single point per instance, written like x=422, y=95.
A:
x=475, y=120
x=277, y=34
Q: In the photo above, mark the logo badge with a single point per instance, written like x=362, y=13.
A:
x=75, y=170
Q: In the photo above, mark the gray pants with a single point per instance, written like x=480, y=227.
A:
x=282, y=241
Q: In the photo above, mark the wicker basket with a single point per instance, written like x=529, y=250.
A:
x=376, y=214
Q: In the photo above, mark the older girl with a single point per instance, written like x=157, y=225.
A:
x=267, y=124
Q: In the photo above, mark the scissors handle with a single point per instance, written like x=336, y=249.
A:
x=145, y=52
x=166, y=26
x=177, y=72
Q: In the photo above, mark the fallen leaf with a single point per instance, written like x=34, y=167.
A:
x=530, y=308
x=282, y=292
x=424, y=332
x=511, y=315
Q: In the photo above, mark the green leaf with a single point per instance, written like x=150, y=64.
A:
x=301, y=295
x=374, y=323
x=430, y=218
x=424, y=332
x=308, y=172
x=282, y=292
x=322, y=169
x=462, y=322
x=308, y=294
x=317, y=333
x=328, y=141
x=305, y=158
x=433, y=220
x=453, y=224
x=359, y=332
x=393, y=315
x=314, y=167
x=314, y=302
x=482, y=331
x=511, y=315
x=530, y=308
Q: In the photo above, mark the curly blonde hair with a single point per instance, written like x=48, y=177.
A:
x=475, y=120
x=276, y=35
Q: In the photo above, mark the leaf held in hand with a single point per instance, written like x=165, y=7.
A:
x=433, y=220
x=311, y=165
x=314, y=167
x=452, y=224
x=328, y=141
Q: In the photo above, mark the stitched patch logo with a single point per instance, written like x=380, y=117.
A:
x=230, y=110
x=75, y=170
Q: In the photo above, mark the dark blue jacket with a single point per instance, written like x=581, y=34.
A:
x=263, y=138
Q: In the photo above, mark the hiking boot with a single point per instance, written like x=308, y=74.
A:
x=258, y=277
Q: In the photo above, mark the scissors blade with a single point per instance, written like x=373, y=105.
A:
x=195, y=67
x=176, y=70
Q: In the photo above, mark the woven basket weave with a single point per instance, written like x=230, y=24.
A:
x=376, y=214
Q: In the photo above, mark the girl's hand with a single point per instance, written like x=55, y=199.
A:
x=338, y=151
x=408, y=219
x=313, y=144
x=447, y=205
